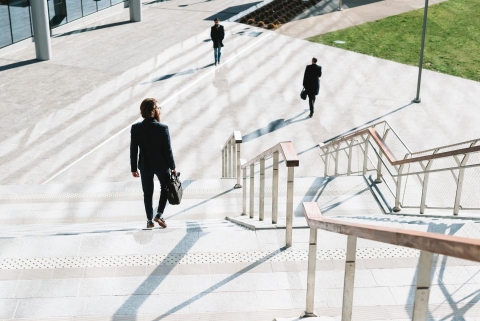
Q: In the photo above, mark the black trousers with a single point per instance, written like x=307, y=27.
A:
x=147, y=186
x=311, y=102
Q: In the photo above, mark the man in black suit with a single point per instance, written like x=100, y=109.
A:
x=311, y=82
x=217, y=33
x=156, y=157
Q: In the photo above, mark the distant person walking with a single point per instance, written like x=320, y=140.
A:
x=311, y=82
x=217, y=33
x=156, y=157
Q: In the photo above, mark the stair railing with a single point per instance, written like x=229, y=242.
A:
x=428, y=244
x=231, y=157
x=367, y=150
x=291, y=161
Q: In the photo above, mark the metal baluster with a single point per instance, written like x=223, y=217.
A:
x=425, y=185
x=275, y=188
x=288, y=231
x=244, y=207
x=350, y=150
x=365, y=155
x=422, y=293
x=349, y=280
x=312, y=263
x=261, y=204
x=229, y=159
x=252, y=189
x=239, y=165
x=461, y=173
x=234, y=159
x=326, y=162
x=223, y=162
x=337, y=147
x=379, y=164
x=397, y=207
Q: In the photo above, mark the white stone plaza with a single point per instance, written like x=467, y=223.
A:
x=73, y=243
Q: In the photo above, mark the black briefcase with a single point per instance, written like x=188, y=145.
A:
x=174, y=190
x=303, y=94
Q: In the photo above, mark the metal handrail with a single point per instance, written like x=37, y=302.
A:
x=290, y=158
x=428, y=243
x=422, y=164
x=231, y=164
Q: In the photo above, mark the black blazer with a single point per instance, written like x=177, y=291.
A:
x=155, y=149
x=217, y=35
x=311, y=79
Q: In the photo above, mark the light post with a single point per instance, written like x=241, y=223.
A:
x=420, y=65
x=339, y=5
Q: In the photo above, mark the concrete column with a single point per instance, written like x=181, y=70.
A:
x=41, y=29
x=135, y=10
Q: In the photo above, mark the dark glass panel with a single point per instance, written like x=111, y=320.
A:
x=74, y=9
x=57, y=12
x=5, y=32
x=102, y=4
x=89, y=6
x=20, y=17
x=116, y=1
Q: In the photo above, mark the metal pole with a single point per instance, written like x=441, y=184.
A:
x=229, y=159
x=261, y=203
x=340, y=5
x=288, y=229
x=350, y=151
x=312, y=262
x=326, y=162
x=234, y=159
x=425, y=187
x=349, y=280
x=275, y=188
x=365, y=156
x=244, y=207
x=397, y=207
x=252, y=187
x=379, y=164
x=461, y=174
x=336, y=159
x=420, y=64
x=135, y=10
x=422, y=293
x=41, y=29
x=223, y=162
x=238, y=167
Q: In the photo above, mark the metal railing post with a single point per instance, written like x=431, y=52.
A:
x=422, y=293
x=397, y=207
x=238, y=165
x=312, y=263
x=326, y=162
x=336, y=159
x=424, y=187
x=234, y=159
x=458, y=195
x=350, y=150
x=349, y=280
x=365, y=156
x=223, y=162
x=252, y=189
x=378, y=180
x=275, y=188
x=261, y=203
x=229, y=159
x=288, y=229
x=244, y=207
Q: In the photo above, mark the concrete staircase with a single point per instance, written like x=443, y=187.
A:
x=80, y=252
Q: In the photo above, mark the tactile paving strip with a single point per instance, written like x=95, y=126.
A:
x=197, y=258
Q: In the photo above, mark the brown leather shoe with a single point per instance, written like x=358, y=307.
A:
x=160, y=222
x=150, y=224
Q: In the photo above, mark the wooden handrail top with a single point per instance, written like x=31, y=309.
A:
x=459, y=247
x=389, y=154
x=285, y=148
x=236, y=135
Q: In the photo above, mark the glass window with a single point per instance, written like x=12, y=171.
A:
x=102, y=4
x=57, y=12
x=74, y=9
x=89, y=7
x=117, y=1
x=5, y=31
x=20, y=18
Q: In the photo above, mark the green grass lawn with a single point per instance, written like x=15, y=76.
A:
x=452, y=44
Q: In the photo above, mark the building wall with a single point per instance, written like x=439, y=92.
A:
x=15, y=16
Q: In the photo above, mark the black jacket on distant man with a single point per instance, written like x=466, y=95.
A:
x=153, y=139
x=217, y=34
x=311, y=79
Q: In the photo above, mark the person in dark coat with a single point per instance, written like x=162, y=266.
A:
x=311, y=82
x=156, y=157
x=217, y=33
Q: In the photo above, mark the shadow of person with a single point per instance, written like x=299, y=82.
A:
x=273, y=126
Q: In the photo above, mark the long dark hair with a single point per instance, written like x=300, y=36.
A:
x=148, y=107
